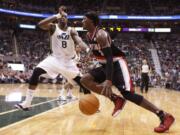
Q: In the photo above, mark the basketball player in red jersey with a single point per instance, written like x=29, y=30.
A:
x=114, y=71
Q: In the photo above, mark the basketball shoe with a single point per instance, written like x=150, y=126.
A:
x=166, y=122
x=22, y=106
x=71, y=97
x=62, y=98
x=119, y=103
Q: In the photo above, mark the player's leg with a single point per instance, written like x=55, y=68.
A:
x=77, y=80
x=33, y=82
x=73, y=75
x=92, y=80
x=47, y=66
x=165, y=118
x=142, y=83
x=147, y=83
x=69, y=88
x=61, y=96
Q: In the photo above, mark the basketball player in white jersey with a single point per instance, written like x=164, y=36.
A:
x=61, y=61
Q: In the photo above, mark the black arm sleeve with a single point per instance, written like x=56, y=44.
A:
x=109, y=64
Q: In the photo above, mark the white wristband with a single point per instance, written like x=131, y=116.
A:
x=58, y=15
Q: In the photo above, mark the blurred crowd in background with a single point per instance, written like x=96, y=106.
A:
x=122, y=7
x=32, y=47
x=29, y=47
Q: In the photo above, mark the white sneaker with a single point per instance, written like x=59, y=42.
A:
x=21, y=106
x=71, y=97
x=62, y=98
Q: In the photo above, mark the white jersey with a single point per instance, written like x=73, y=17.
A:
x=62, y=44
x=62, y=59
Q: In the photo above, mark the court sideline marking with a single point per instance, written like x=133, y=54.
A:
x=30, y=107
x=11, y=125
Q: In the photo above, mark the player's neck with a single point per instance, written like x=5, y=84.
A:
x=92, y=29
x=63, y=27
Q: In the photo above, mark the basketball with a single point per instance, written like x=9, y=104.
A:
x=89, y=104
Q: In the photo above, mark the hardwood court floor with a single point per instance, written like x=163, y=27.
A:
x=68, y=120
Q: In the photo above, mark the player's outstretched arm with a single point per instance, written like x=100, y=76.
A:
x=47, y=24
x=78, y=41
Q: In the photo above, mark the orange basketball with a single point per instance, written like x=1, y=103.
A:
x=89, y=104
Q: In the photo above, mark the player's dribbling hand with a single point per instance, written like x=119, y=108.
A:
x=106, y=91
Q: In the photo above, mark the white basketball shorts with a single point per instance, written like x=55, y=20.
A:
x=54, y=66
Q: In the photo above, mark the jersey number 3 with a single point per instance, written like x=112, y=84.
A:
x=64, y=44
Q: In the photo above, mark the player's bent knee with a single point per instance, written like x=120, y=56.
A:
x=86, y=79
x=133, y=97
x=78, y=80
x=83, y=81
x=35, y=76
